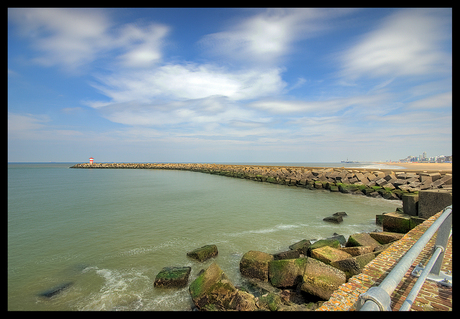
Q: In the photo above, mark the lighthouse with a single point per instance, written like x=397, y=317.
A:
x=91, y=160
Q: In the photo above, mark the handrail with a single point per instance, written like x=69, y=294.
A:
x=378, y=298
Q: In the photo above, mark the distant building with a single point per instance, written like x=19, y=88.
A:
x=91, y=160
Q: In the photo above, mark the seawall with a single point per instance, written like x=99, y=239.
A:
x=386, y=183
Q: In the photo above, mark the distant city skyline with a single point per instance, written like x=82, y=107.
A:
x=228, y=84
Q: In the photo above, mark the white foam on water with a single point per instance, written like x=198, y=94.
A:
x=121, y=290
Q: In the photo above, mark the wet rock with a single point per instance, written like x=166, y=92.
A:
x=212, y=289
x=169, y=277
x=270, y=301
x=301, y=246
x=203, y=253
x=254, y=264
x=286, y=272
x=55, y=290
x=321, y=280
x=290, y=254
x=333, y=219
x=343, y=214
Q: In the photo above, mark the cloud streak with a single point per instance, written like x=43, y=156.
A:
x=405, y=44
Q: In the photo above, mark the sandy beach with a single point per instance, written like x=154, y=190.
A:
x=422, y=166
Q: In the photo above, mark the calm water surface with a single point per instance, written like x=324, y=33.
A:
x=110, y=231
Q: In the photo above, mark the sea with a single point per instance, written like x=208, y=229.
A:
x=104, y=234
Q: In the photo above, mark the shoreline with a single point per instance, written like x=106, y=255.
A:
x=444, y=167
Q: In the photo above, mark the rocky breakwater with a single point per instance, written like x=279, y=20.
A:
x=300, y=279
x=388, y=184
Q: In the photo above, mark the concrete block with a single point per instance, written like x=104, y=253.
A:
x=433, y=201
x=410, y=204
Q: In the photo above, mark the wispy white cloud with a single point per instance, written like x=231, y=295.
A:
x=73, y=38
x=432, y=102
x=189, y=81
x=268, y=36
x=407, y=43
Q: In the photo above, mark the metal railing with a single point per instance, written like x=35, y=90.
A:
x=378, y=298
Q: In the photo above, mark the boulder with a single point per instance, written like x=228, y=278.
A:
x=254, y=264
x=410, y=204
x=364, y=259
x=321, y=280
x=386, y=237
x=349, y=266
x=290, y=254
x=357, y=250
x=334, y=243
x=55, y=290
x=212, y=287
x=328, y=254
x=301, y=246
x=396, y=222
x=170, y=277
x=286, y=272
x=340, y=214
x=340, y=238
x=203, y=253
x=270, y=301
x=361, y=239
x=433, y=201
x=333, y=219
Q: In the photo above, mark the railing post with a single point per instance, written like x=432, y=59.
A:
x=441, y=240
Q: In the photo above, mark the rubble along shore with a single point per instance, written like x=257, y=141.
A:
x=386, y=183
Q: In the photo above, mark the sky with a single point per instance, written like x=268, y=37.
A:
x=217, y=85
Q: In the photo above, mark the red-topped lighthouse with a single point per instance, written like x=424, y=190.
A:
x=91, y=160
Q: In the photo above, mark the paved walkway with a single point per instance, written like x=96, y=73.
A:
x=432, y=296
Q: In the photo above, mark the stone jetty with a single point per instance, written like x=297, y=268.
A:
x=389, y=184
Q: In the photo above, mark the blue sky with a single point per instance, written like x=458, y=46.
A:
x=228, y=85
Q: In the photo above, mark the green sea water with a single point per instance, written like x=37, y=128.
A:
x=108, y=232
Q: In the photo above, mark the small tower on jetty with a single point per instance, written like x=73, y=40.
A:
x=91, y=160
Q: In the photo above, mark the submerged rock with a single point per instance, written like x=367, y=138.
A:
x=333, y=219
x=172, y=277
x=203, y=253
x=55, y=290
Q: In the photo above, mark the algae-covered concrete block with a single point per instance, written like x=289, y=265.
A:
x=203, y=253
x=396, y=222
x=254, y=264
x=433, y=201
x=410, y=204
x=172, y=277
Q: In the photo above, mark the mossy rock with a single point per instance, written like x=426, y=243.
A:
x=334, y=243
x=270, y=301
x=321, y=280
x=301, y=246
x=172, y=277
x=212, y=287
x=254, y=264
x=362, y=239
x=328, y=254
x=286, y=272
x=203, y=253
